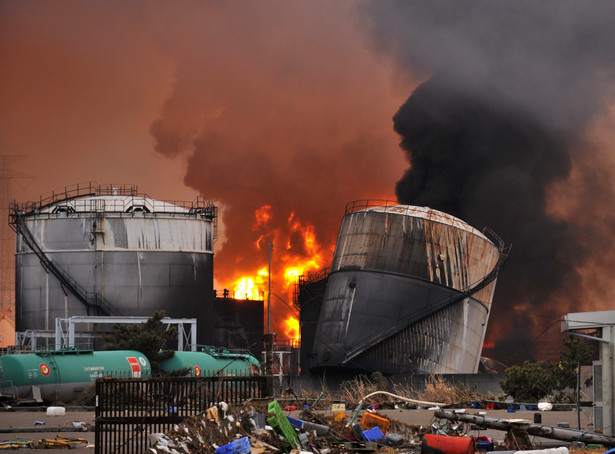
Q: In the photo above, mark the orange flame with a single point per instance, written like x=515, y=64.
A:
x=296, y=253
x=291, y=329
x=246, y=289
x=296, y=265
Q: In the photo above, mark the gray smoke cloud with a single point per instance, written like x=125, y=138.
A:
x=497, y=134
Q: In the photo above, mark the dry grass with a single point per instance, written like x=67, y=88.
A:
x=353, y=391
x=437, y=390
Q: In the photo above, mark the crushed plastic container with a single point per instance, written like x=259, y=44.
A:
x=373, y=434
x=241, y=446
x=483, y=443
x=369, y=420
x=433, y=443
x=56, y=411
x=545, y=406
x=395, y=439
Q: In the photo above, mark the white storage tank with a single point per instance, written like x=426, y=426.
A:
x=108, y=250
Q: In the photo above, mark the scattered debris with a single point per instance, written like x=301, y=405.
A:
x=264, y=428
x=56, y=411
x=519, y=425
x=258, y=429
x=59, y=442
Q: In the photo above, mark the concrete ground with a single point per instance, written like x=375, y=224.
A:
x=21, y=421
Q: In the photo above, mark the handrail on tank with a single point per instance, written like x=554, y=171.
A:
x=76, y=350
x=91, y=189
x=358, y=205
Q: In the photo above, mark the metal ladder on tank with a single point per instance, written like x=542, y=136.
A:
x=503, y=253
x=92, y=300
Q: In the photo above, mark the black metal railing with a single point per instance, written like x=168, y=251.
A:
x=128, y=410
x=71, y=193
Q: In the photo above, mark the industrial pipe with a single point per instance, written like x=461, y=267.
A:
x=540, y=430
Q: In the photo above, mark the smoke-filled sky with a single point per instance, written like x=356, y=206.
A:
x=250, y=104
x=510, y=130
x=283, y=112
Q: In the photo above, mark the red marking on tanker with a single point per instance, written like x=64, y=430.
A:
x=44, y=369
x=197, y=371
x=134, y=365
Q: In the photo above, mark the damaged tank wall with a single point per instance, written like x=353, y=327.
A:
x=387, y=303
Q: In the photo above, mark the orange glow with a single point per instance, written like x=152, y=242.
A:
x=7, y=329
x=263, y=216
x=488, y=344
x=291, y=329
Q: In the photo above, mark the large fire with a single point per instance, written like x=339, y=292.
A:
x=293, y=333
x=289, y=261
x=251, y=288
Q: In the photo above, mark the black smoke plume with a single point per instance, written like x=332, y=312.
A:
x=498, y=136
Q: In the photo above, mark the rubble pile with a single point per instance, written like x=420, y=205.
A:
x=260, y=429
x=266, y=428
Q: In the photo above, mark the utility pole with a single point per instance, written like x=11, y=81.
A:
x=271, y=245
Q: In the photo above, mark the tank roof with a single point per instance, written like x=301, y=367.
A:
x=413, y=211
x=116, y=203
x=108, y=199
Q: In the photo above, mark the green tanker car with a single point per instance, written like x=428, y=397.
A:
x=210, y=361
x=62, y=375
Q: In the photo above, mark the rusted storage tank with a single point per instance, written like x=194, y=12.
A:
x=410, y=291
x=108, y=250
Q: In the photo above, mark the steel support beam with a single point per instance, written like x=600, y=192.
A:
x=605, y=322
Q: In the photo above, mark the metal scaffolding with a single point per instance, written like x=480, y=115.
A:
x=65, y=332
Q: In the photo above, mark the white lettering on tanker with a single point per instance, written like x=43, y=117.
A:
x=97, y=371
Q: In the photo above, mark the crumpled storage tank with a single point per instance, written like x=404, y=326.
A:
x=410, y=291
x=108, y=250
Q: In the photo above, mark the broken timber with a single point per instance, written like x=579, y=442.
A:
x=531, y=428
